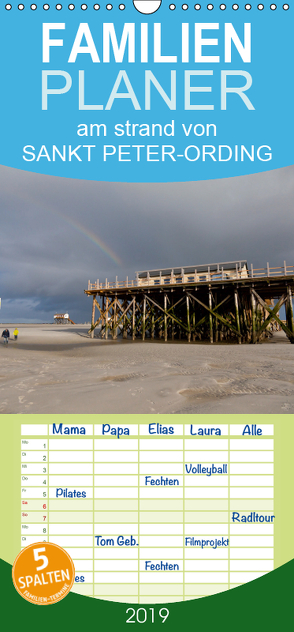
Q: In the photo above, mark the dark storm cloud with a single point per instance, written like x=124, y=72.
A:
x=46, y=261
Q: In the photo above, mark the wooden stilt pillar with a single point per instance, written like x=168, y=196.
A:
x=259, y=317
x=172, y=322
x=210, y=316
x=289, y=311
x=152, y=324
x=144, y=318
x=103, y=312
x=106, y=317
x=193, y=324
x=237, y=315
x=216, y=320
x=114, y=327
x=134, y=320
x=93, y=316
x=246, y=333
x=188, y=318
x=165, y=318
x=253, y=317
x=125, y=332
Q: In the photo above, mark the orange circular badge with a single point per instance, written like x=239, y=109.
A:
x=43, y=573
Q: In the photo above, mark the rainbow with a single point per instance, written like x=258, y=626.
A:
x=93, y=238
x=78, y=226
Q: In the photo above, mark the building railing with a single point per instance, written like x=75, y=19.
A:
x=196, y=277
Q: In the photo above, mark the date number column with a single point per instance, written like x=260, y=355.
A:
x=34, y=483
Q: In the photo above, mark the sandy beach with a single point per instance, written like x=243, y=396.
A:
x=59, y=369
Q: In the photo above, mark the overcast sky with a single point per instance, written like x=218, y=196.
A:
x=46, y=258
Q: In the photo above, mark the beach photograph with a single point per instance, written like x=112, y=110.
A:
x=146, y=298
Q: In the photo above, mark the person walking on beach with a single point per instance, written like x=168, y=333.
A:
x=5, y=336
x=15, y=333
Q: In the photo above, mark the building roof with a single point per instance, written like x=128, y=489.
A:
x=207, y=267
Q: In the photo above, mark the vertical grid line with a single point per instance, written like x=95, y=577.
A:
x=229, y=506
x=184, y=512
x=274, y=495
x=139, y=522
x=93, y=511
x=48, y=515
x=20, y=487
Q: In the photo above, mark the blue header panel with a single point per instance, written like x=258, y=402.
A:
x=111, y=93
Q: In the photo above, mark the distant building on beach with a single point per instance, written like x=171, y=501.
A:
x=62, y=319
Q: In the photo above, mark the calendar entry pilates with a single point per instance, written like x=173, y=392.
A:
x=152, y=512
